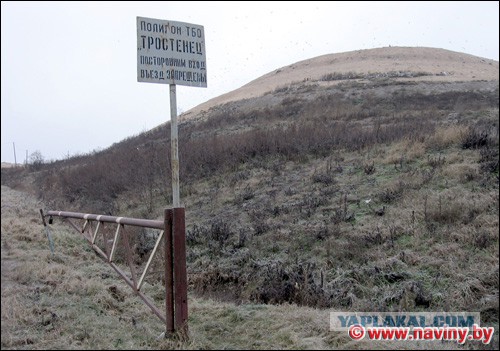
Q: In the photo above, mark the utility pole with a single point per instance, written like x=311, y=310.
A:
x=15, y=160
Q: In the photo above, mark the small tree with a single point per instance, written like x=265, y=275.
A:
x=36, y=160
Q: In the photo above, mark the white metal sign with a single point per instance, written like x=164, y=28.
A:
x=171, y=52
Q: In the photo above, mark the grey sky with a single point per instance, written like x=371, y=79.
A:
x=69, y=70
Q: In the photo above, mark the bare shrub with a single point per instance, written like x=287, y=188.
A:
x=247, y=194
x=292, y=284
x=258, y=221
x=489, y=160
x=323, y=178
x=393, y=192
x=322, y=233
x=281, y=89
x=369, y=168
x=195, y=235
x=243, y=237
x=475, y=138
x=146, y=241
x=219, y=232
x=436, y=162
x=215, y=236
x=483, y=240
x=341, y=76
x=36, y=160
x=427, y=175
x=309, y=204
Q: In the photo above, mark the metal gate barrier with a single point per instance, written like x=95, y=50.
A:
x=174, y=234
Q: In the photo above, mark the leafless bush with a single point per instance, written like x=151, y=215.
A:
x=483, y=240
x=220, y=232
x=246, y=194
x=215, y=236
x=310, y=203
x=489, y=159
x=373, y=238
x=436, y=162
x=427, y=175
x=259, y=225
x=36, y=160
x=323, y=178
x=292, y=284
x=238, y=177
x=341, y=76
x=369, y=168
x=243, y=237
x=281, y=89
x=392, y=193
x=322, y=233
x=195, y=235
x=475, y=139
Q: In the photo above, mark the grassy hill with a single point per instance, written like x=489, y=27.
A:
x=362, y=181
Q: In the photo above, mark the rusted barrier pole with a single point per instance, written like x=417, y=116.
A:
x=180, y=272
x=175, y=271
x=147, y=223
x=169, y=276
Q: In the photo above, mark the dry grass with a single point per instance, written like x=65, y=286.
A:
x=405, y=151
x=446, y=136
x=64, y=301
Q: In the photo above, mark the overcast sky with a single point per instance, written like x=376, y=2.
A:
x=69, y=70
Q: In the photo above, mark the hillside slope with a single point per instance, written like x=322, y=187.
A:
x=372, y=190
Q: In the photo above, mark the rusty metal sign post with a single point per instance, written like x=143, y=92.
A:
x=170, y=52
x=167, y=53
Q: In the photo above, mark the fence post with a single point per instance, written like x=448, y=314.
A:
x=180, y=272
x=169, y=277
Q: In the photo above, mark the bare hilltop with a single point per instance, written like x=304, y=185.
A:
x=421, y=64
